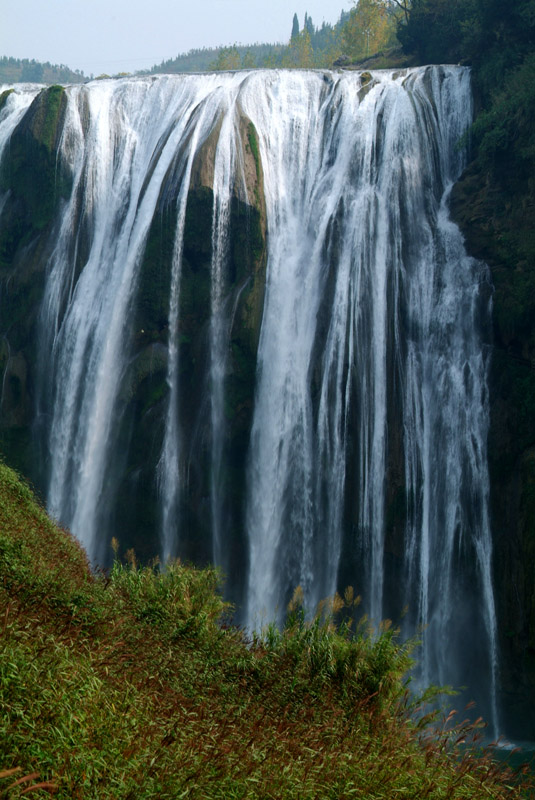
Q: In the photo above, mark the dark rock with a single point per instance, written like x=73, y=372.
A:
x=497, y=221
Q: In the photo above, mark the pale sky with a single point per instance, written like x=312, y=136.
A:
x=110, y=36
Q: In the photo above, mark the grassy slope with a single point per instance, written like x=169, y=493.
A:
x=127, y=686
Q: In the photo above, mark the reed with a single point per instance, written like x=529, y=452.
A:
x=133, y=684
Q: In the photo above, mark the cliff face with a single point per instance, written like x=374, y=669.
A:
x=497, y=218
x=34, y=189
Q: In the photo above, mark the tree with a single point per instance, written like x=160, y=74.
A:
x=228, y=58
x=300, y=53
x=405, y=7
x=368, y=28
x=32, y=71
x=437, y=31
x=295, y=28
x=248, y=60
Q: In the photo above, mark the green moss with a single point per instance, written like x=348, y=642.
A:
x=36, y=182
x=252, y=138
x=47, y=121
x=248, y=250
x=4, y=96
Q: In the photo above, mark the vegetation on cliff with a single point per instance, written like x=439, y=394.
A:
x=127, y=685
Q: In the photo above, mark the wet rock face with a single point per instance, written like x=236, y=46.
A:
x=31, y=173
x=35, y=182
x=33, y=187
x=144, y=418
x=497, y=226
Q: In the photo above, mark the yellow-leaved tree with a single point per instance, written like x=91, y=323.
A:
x=227, y=58
x=371, y=27
x=299, y=54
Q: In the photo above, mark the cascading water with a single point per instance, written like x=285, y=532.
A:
x=403, y=328
x=224, y=172
x=119, y=158
x=366, y=458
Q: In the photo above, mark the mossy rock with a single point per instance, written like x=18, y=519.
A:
x=4, y=97
x=32, y=174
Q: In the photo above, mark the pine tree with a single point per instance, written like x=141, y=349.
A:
x=295, y=28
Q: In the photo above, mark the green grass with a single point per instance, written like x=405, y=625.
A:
x=131, y=685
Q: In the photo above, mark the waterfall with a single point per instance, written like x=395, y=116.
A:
x=366, y=458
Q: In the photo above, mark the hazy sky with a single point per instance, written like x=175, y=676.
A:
x=113, y=36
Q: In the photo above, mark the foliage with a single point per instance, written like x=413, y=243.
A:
x=492, y=35
x=498, y=39
x=503, y=132
x=438, y=30
x=309, y=47
x=227, y=58
x=180, y=602
x=127, y=685
x=370, y=28
x=367, y=668
x=4, y=97
x=502, y=37
x=295, y=27
x=299, y=53
x=16, y=70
